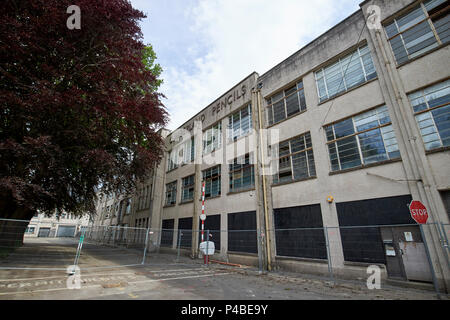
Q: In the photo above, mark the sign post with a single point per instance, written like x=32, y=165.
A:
x=420, y=214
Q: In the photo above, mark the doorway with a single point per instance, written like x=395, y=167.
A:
x=405, y=254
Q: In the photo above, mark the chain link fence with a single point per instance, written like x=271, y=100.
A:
x=399, y=250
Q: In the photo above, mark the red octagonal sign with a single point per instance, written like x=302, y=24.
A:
x=418, y=212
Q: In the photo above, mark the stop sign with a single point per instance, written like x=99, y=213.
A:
x=418, y=212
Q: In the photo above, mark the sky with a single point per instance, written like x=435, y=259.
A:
x=205, y=47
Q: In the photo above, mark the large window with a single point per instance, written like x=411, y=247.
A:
x=212, y=180
x=295, y=160
x=432, y=111
x=181, y=154
x=144, y=198
x=357, y=67
x=242, y=173
x=187, y=192
x=240, y=123
x=127, y=206
x=361, y=140
x=286, y=103
x=212, y=138
x=171, y=193
x=172, y=160
x=419, y=31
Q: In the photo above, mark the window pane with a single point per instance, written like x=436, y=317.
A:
x=333, y=157
x=279, y=112
x=344, y=128
x=442, y=120
x=246, y=120
x=270, y=115
x=298, y=144
x=442, y=27
x=372, y=146
x=284, y=169
x=438, y=94
x=391, y=30
x=236, y=124
x=428, y=131
x=312, y=166
x=383, y=115
x=300, y=166
x=369, y=67
x=353, y=70
x=301, y=95
x=284, y=148
x=390, y=142
x=292, y=104
x=322, y=90
x=366, y=121
x=329, y=132
x=334, y=80
x=411, y=19
x=399, y=50
x=433, y=4
x=419, y=39
x=248, y=177
x=348, y=153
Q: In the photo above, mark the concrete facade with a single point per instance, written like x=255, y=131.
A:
x=416, y=173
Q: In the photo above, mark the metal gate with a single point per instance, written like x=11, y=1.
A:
x=66, y=231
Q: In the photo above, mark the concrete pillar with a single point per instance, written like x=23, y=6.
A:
x=418, y=171
x=198, y=154
x=263, y=190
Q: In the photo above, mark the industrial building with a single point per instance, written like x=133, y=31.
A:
x=317, y=159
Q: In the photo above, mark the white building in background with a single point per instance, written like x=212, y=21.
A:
x=66, y=225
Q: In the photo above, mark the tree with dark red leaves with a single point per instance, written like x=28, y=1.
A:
x=79, y=109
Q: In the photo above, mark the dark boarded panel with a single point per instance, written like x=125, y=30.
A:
x=212, y=223
x=242, y=232
x=167, y=232
x=303, y=242
x=185, y=226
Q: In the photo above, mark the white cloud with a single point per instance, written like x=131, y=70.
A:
x=234, y=38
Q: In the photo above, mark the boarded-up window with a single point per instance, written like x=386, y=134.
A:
x=167, y=232
x=242, y=235
x=299, y=232
x=185, y=227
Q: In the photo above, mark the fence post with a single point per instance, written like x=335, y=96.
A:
x=114, y=236
x=330, y=267
x=433, y=275
x=180, y=233
x=80, y=245
x=259, y=238
x=145, y=247
x=207, y=243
